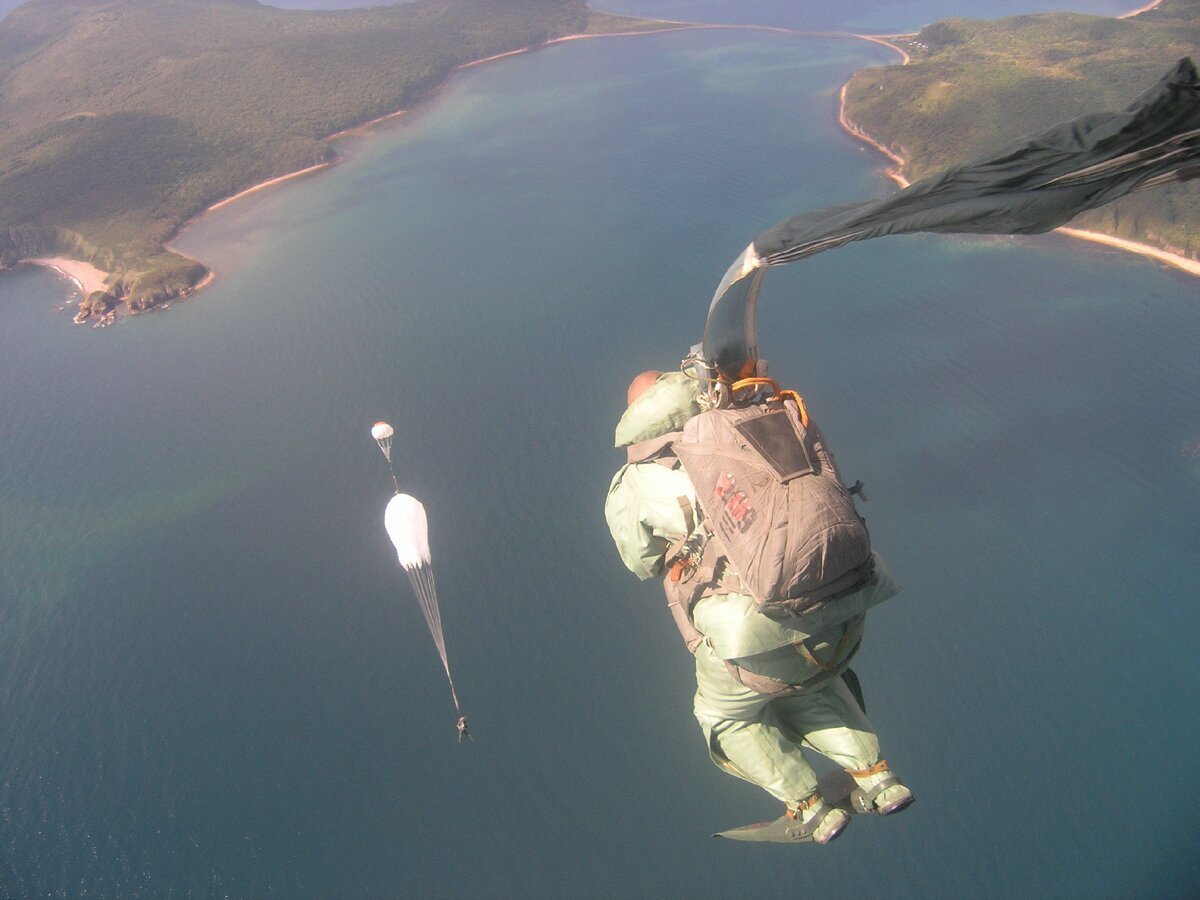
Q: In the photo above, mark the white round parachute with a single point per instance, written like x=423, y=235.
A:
x=408, y=528
x=382, y=432
x=406, y=524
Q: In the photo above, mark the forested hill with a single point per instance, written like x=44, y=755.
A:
x=121, y=119
x=972, y=86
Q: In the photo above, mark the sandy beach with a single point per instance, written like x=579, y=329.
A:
x=87, y=277
x=1141, y=9
x=1184, y=263
x=268, y=183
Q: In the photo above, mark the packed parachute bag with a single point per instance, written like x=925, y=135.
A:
x=772, y=519
x=773, y=502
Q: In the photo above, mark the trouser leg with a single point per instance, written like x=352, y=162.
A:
x=758, y=738
x=831, y=722
x=762, y=754
x=745, y=736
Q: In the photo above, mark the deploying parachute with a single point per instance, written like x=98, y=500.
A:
x=382, y=432
x=408, y=528
x=1031, y=186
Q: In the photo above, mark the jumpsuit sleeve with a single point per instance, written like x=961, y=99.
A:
x=645, y=516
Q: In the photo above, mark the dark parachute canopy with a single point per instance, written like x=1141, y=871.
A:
x=1031, y=186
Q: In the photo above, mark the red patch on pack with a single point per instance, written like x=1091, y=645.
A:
x=736, y=508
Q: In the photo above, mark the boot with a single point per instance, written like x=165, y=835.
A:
x=819, y=822
x=809, y=820
x=879, y=790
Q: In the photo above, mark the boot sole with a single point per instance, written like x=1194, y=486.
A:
x=896, y=807
x=837, y=833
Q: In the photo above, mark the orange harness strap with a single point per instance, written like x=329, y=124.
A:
x=807, y=803
x=880, y=766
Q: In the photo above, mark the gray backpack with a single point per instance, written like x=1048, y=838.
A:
x=775, y=505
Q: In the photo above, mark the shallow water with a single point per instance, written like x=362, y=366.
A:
x=214, y=680
x=871, y=16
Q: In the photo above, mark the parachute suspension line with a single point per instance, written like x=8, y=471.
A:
x=425, y=589
x=405, y=521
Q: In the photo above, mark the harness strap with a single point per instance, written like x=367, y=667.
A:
x=819, y=810
x=864, y=801
x=655, y=449
x=680, y=597
x=838, y=651
x=809, y=802
x=773, y=687
x=875, y=769
x=689, y=512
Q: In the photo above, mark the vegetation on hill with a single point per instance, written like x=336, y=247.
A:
x=608, y=23
x=122, y=119
x=972, y=86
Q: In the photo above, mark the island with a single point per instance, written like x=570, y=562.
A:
x=120, y=120
x=968, y=86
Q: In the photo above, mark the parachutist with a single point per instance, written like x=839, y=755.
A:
x=764, y=685
x=463, y=733
x=408, y=527
x=773, y=608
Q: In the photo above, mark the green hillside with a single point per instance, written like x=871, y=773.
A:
x=972, y=86
x=121, y=119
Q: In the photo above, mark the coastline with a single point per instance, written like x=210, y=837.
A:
x=1175, y=260
x=1141, y=9
x=255, y=189
x=895, y=171
x=378, y=120
x=88, y=278
x=668, y=26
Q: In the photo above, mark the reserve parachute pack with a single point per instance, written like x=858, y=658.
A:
x=773, y=502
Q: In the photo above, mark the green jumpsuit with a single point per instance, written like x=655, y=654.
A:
x=752, y=735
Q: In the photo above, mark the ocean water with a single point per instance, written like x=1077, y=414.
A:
x=214, y=680
x=871, y=16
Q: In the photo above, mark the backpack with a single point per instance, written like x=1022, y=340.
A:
x=774, y=504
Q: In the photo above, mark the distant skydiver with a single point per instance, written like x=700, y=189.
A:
x=407, y=526
x=765, y=684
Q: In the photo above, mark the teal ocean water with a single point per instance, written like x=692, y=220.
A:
x=870, y=16
x=214, y=680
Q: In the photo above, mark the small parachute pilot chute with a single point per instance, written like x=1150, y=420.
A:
x=382, y=432
x=408, y=528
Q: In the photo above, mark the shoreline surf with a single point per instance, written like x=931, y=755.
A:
x=87, y=278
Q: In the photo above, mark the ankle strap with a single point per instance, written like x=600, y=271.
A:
x=881, y=766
